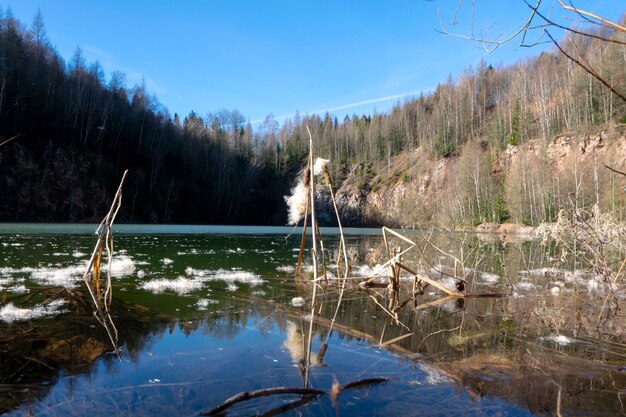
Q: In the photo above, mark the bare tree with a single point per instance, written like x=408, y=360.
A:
x=545, y=17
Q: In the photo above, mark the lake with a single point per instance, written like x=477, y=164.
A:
x=203, y=313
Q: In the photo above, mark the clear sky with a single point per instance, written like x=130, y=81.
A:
x=280, y=57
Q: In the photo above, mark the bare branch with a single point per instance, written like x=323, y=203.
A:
x=593, y=16
x=588, y=70
x=614, y=170
x=490, y=45
x=578, y=32
x=9, y=140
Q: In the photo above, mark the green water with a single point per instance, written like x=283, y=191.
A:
x=206, y=312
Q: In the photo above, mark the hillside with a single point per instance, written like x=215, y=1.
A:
x=418, y=189
x=496, y=144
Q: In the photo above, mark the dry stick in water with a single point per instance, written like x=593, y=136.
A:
x=10, y=139
x=104, y=237
x=313, y=256
x=342, y=243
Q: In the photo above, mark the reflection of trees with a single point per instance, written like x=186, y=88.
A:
x=33, y=354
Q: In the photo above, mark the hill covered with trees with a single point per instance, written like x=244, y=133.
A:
x=78, y=132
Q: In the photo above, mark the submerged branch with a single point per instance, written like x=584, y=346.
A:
x=266, y=392
x=249, y=395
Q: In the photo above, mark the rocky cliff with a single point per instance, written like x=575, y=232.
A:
x=528, y=182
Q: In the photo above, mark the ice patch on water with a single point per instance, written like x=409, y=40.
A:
x=228, y=276
x=66, y=277
x=594, y=284
x=525, y=286
x=9, y=313
x=18, y=289
x=297, y=301
x=237, y=250
x=203, y=303
x=434, y=376
x=558, y=339
x=180, y=285
x=120, y=266
x=371, y=271
x=489, y=278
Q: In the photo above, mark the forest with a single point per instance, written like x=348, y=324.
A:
x=68, y=133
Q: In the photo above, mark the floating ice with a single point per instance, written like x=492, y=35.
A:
x=180, y=285
x=490, y=278
x=297, y=301
x=203, y=303
x=525, y=285
x=369, y=271
x=18, y=289
x=559, y=339
x=9, y=313
x=122, y=265
x=434, y=376
x=232, y=276
x=66, y=277
x=594, y=284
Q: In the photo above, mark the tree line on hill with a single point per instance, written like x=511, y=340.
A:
x=78, y=132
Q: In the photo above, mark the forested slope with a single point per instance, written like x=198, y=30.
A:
x=78, y=132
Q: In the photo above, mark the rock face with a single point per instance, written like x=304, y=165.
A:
x=416, y=189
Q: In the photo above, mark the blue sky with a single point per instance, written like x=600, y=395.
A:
x=280, y=57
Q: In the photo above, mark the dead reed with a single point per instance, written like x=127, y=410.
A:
x=102, y=300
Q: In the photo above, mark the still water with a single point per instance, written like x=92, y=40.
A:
x=206, y=312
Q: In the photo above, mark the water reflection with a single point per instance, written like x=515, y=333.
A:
x=535, y=352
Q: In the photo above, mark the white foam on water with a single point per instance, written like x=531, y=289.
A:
x=180, y=285
x=141, y=273
x=167, y=261
x=78, y=254
x=232, y=287
x=9, y=313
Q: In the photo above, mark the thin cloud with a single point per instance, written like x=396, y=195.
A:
x=368, y=101
x=349, y=105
